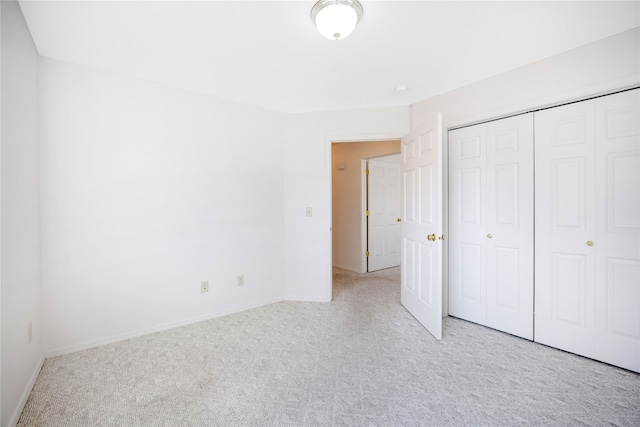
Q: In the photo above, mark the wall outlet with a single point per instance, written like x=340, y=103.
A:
x=30, y=332
x=204, y=287
x=241, y=280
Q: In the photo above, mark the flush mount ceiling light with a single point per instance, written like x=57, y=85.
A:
x=336, y=19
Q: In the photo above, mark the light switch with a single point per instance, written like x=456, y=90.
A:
x=309, y=212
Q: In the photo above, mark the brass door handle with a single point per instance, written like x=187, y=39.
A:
x=399, y=220
x=489, y=236
x=441, y=237
x=431, y=237
x=590, y=243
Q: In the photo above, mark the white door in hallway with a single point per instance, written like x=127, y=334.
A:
x=384, y=205
x=421, y=289
x=588, y=228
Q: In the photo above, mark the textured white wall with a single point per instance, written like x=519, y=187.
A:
x=307, y=169
x=147, y=190
x=21, y=290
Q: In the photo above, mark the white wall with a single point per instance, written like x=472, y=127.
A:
x=147, y=190
x=605, y=65
x=347, y=210
x=307, y=169
x=20, y=260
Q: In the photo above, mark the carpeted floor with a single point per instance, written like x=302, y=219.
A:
x=359, y=360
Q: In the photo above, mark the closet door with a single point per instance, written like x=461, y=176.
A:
x=564, y=202
x=588, y=228
x=617, y=229
x=467, y=224
x=491, y=224
x=510, y=225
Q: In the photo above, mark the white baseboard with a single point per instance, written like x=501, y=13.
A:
x=25, y=394
x=296, y=298
x=159, y=328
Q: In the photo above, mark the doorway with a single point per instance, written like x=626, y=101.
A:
x=348, y=201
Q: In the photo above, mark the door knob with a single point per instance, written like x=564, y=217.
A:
x=489, y=236
x=590, y=243
x=431, y=237
x=399, y=220
x=441, y=237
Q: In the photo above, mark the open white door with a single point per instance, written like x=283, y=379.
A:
x=421, y=231
x=383, y=225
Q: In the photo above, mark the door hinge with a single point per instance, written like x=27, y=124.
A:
x=366, y=212
x=367, y=253
x=367, y=172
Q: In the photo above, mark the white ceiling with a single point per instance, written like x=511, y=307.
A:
x=269, y=54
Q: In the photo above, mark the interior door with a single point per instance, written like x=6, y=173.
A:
x=617, y=229
x=588, y=228
x=421, y=289
x=509, y=280
x=564, y=223
x=491, y=224
x=467, y=224
x=384, y=205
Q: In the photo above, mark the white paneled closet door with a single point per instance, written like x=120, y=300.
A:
x=510, y=222
x=565, y=263
x=491, y=224
x=467, y=224
x=588, y=228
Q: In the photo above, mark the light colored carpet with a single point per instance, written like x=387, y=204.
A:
x=360, y=360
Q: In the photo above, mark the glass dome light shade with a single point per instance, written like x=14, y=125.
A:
x=336, y=19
